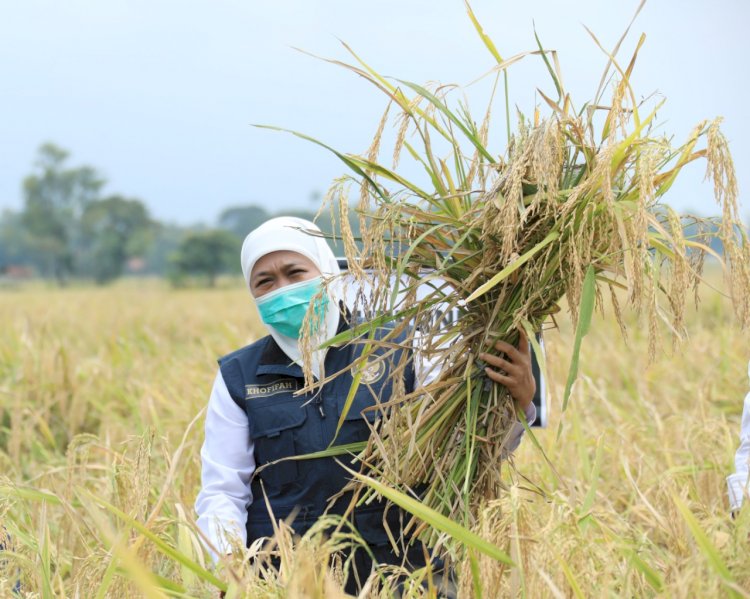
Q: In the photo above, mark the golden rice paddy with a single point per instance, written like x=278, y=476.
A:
x=99, y=455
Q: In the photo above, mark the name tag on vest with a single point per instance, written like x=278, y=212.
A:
x=269, y=389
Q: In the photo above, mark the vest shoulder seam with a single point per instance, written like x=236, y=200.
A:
x=238, y=352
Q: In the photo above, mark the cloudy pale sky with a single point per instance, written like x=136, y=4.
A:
x=160, y=95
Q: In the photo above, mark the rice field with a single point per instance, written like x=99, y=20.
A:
x=101, y=392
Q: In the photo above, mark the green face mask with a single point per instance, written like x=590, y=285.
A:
x=284, y=309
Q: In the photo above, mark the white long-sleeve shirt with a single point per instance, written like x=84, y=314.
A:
x=228, y=463
x=737, y=483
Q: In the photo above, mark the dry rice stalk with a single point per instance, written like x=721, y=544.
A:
x=573, y=204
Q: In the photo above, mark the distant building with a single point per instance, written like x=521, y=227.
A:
x=135, y=265
x=16, y=272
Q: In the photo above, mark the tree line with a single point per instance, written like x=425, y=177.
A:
x=69, y=229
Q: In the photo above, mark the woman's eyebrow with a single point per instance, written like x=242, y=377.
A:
x=262, y=273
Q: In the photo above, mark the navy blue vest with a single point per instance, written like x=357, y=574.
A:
x=262, y=381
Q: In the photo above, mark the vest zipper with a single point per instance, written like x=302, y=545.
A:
x=319, y=403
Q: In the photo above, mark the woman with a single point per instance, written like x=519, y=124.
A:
x=737, y=483
x=254, y=417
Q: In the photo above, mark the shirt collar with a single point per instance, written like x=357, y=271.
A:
x=273, y=360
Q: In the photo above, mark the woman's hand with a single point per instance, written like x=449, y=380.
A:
x=514, y=370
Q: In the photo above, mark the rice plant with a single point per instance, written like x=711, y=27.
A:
x=102, y=390
x=99, y=454
x=570, y=209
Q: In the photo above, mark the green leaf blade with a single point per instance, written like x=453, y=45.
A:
x=586, y=309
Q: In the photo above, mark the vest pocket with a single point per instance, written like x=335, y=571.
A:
x=371, y=521
x=367, y=396
x=358, y=419
x=274, y=429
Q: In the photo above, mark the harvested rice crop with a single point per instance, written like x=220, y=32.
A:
x=571, y=209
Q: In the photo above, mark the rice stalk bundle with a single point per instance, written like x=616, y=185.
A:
x=570, y=210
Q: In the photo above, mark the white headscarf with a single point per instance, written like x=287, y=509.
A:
x=304, y=237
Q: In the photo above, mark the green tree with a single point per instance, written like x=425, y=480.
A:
x=113, y=230
x=54, y=199
x=240, y=220
x=166, y=241
x=14, y=241
x=206, y=253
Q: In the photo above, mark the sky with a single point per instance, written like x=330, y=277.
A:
x=161, y=95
